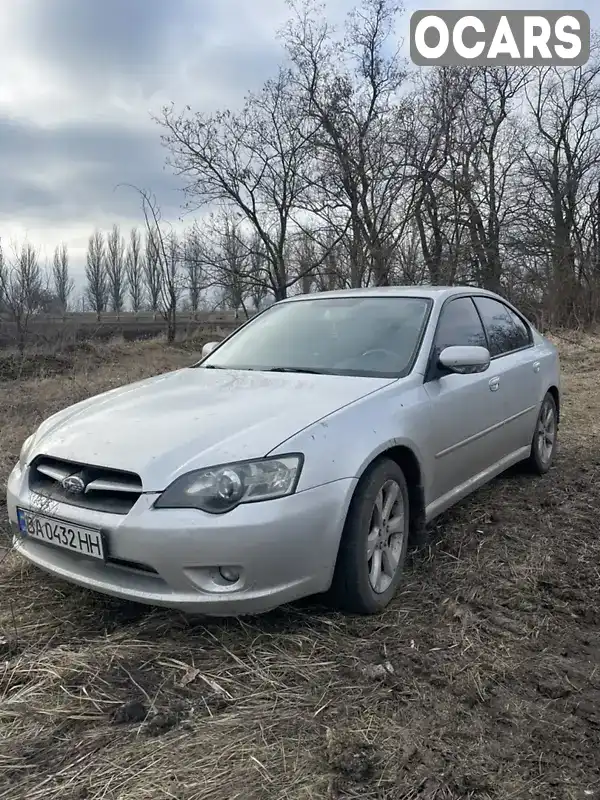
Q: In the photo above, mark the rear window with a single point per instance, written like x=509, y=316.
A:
x=506, y=332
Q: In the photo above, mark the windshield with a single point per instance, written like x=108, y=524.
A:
x=360, y=336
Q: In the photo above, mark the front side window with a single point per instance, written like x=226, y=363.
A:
x=360, y=336
x=505, y=330
x=459, y=325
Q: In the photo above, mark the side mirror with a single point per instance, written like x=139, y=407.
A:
x=465, y=360
x=208, y=348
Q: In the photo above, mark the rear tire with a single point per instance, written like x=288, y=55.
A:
x=374, y=542
x=545, y=438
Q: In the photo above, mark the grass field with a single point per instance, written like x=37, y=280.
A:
x=481, y=681
x=47, y=333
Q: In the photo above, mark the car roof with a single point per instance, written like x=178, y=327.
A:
x=439, y=293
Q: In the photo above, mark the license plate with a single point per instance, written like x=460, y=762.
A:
x=60, y=533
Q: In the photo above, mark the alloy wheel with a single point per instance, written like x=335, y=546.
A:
x=546, y=431
x=385, y=540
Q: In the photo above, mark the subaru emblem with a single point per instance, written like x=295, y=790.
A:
x=73, y=484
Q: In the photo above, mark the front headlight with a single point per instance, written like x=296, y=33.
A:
x=217, y=490
x=25, y=450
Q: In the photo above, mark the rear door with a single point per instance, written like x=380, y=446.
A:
x=467, y=409
x=515, y=361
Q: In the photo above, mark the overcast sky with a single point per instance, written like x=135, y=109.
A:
x=80, y=78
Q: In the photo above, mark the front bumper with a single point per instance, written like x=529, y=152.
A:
x=284, y=549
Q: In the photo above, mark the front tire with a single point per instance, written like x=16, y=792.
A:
x=545, y=437
x=374, y=542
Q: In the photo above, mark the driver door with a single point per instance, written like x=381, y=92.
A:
x=467, y=411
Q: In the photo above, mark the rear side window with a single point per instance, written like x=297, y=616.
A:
x=505, y=330
x=459, y=325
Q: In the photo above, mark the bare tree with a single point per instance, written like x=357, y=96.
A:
x=234, y=267
x=81, y=302
x=431, y=124
x=345, y=170
x=410, y=268
x=173, y=283
x=63, y=283
x=252, y=162
x=134, y=270
x=152, y=271
x=563, y=178
x=350, y=88
x=115, y=269
x=258, y=285
x=466, y=149
x=487, y=158
x=225, y=250
x=163, y=253
x=22, y=290
x=305, y=257
x=95, y=272
x=332, y=271
x=3, y=278
x=193, y=265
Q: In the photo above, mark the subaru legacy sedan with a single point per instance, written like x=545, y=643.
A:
x=298, y=457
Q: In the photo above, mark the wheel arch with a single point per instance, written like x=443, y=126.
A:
x=555, y=392
x=409, y=462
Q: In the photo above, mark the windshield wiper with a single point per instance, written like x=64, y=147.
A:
x=297, y=369
x=265, y=369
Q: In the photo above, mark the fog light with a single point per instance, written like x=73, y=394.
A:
x=230, y=574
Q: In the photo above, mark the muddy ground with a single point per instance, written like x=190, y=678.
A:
x=481, y=681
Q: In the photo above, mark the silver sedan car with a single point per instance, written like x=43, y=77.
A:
x=298, y=457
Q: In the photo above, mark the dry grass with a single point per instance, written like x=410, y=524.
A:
x=481, y=681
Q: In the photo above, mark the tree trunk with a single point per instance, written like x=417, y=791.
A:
x=279, y=293
x=171, y=325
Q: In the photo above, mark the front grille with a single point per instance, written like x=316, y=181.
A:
x=108, y=490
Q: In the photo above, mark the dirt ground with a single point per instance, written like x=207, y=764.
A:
x=481, y=681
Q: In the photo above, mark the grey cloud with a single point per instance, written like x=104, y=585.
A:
x=224, y=75
x=84, y=37
x=86, y=163
x=147, y=41
x=21, y=195
x=188, y=51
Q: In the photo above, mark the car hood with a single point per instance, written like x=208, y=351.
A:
x=165, y=426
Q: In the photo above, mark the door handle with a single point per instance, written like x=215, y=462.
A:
x=494, y=384
x=536, y=366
